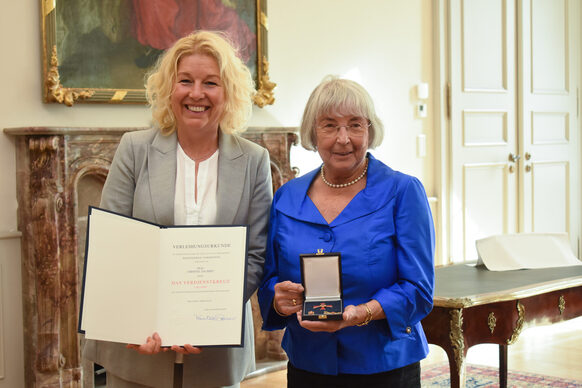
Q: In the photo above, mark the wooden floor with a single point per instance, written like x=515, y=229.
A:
x=554, y=350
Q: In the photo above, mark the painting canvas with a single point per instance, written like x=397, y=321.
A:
x=101, y=50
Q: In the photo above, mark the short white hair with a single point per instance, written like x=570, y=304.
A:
x=339, y=96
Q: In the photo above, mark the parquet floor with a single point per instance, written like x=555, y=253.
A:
x=554, y=350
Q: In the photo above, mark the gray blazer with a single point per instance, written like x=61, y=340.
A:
x=141, y=183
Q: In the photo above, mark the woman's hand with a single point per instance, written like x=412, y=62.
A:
x=186, y=349
x=288, y=298
x=153, y=345
x=352, y=316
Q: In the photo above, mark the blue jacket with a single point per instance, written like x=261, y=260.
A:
x=386, y=239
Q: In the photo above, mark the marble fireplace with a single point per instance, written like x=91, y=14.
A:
x=60, y=172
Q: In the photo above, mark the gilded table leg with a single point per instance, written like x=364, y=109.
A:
x=457, y=362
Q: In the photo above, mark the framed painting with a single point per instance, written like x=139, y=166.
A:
x=99, y=51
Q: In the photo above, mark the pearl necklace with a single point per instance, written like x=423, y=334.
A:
x=343, y=184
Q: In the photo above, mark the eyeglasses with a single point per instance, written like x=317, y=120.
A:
x=354, y=129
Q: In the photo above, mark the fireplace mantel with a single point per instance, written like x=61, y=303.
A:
x=60, y=171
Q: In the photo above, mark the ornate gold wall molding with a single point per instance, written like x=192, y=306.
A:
x=55, y=92
x=265, y=94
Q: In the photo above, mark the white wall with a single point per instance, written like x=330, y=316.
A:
x=11, y=340
x=384, y=44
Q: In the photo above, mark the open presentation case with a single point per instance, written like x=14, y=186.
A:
x=322, y=281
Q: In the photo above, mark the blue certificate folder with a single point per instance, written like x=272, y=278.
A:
x=185, y=282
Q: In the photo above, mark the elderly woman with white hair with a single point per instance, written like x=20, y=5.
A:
x=191, y=168
x=379, y=221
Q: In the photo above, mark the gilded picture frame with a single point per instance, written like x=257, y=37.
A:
x=99, y=51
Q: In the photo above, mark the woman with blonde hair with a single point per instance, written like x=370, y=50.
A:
x=191, y=168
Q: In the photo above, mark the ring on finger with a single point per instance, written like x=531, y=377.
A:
x=294, y=302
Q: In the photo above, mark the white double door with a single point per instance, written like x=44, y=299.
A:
x=514, y=130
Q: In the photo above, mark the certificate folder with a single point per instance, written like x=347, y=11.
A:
x=184, y=282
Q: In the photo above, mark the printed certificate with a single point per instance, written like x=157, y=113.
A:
x=184, y=282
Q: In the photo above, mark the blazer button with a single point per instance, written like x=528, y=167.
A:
x=327, y=237
x=408, y=330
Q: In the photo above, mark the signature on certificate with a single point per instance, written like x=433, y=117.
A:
x=214, y=317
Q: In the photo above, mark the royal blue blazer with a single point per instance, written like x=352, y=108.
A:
x=386, y=239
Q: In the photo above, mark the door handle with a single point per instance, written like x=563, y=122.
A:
x=514, y=158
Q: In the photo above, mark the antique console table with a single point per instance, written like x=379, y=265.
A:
x=60, y=171
x=473, y=305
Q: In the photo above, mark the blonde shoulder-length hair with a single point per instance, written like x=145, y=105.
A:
x=234, y=74
x=339, y=96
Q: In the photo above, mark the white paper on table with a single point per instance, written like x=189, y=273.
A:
x=525, y=251
x=185, y=282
